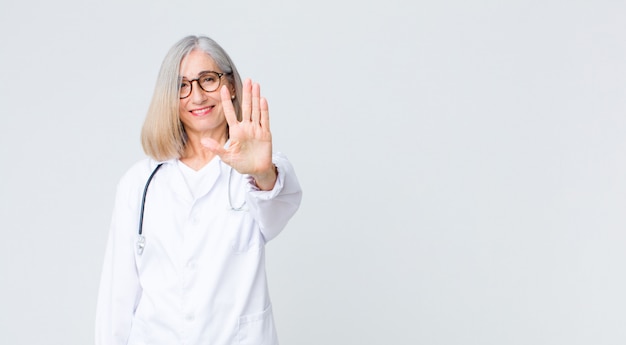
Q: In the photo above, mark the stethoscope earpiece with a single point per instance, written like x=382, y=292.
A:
x=141, y=243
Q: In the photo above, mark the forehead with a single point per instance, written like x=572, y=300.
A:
x=196, y=62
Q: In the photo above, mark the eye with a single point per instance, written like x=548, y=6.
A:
x=184, y=84
x=208, y=79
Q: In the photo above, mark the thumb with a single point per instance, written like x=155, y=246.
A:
x=213, y=146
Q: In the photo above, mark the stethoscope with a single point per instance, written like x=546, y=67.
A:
x=141, y=239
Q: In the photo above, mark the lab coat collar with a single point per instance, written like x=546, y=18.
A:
x=177, y=183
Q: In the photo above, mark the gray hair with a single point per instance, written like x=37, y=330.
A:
x=163, y=135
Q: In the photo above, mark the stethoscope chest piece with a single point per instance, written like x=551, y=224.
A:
x=141, y=244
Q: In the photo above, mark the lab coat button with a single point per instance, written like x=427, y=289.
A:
x=189, y=317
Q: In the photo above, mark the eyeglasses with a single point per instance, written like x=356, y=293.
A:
x=208, y=81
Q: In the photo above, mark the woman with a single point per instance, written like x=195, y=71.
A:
x=194, y=273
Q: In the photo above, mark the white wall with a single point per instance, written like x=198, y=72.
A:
x=463, y=162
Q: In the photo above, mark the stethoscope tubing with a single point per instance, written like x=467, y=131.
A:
x=143, y=198
x=141, y=240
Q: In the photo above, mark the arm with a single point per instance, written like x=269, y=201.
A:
x=119, y=285
x=273, y=208
x=275, y=192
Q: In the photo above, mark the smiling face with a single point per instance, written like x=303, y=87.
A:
x=201, y=113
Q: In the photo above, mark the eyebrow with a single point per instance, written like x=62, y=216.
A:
x=200, y=74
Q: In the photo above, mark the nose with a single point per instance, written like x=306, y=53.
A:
x=198, y=96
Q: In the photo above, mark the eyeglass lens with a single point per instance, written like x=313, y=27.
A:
x=208, y=82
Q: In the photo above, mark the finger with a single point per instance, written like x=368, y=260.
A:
x=246, y=105
x=256, y=97
x=227, y=106
x=265, y=114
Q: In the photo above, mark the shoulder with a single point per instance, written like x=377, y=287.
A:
x=131, y=184
x=139, y=172
x=282, y=163
x=279, y=157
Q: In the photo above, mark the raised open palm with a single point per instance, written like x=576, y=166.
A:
x=250, y=148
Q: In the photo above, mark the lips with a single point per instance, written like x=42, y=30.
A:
x=202, y=111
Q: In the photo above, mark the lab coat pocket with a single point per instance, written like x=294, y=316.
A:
x=246, y=234
x=257, y=329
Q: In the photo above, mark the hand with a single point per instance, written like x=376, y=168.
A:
x=250, y=149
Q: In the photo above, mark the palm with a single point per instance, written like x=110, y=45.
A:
x=250, y=148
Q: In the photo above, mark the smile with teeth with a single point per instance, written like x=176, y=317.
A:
x=201, y=112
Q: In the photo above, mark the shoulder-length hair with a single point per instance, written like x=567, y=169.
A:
x=163, y=136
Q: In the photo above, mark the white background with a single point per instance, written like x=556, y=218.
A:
x=463, y=162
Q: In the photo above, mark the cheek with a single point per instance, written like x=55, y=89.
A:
x=182, y=110
x=183, y=115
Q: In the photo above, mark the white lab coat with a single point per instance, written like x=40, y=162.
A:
x=201, y=278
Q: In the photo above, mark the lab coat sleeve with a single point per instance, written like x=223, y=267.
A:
x=273, y=209
x=119, y=285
